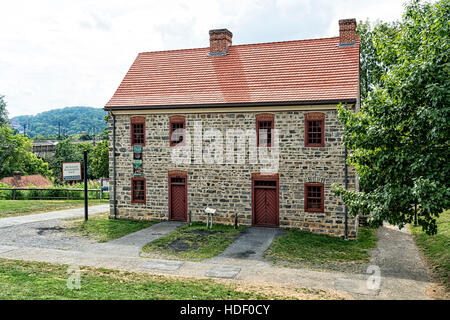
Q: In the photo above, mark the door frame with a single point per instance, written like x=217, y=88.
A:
x=266, y=177
x=177, y=174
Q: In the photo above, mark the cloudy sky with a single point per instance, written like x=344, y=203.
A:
x=71, y=53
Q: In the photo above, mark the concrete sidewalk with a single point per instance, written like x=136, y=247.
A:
x=250, y=245
x=61, y=214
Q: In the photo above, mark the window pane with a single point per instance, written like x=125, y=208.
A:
x=314, y=195
x=314, y=132
x=138, y=133
x=138, y=190
x=177, y=132
x=265, y=133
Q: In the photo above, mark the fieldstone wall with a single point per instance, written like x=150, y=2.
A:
x=228, y=187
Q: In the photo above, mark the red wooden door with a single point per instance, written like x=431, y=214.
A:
x=178, y=199
x=265, y=203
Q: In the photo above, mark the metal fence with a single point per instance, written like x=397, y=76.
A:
x=52, y=193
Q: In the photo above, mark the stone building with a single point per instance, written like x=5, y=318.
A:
x=45, y=149
x=249, y=130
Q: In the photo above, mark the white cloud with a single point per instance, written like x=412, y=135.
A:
x=62, y=53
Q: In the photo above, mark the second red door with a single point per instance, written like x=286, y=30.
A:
x=265, y=203
x=177, y=198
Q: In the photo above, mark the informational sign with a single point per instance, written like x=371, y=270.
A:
x=210, y=210
x=71, y=171
x=137, y=161
x=137, y=149
x=105, y=185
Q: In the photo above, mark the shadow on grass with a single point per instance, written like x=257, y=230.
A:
x=103, y=229
x=303, y=249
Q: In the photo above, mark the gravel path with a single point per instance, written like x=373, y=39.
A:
x=43, y=230
x=44, y=234
x=402, y=267
x=61, y=214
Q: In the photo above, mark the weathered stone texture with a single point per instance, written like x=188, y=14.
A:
x=228, y=187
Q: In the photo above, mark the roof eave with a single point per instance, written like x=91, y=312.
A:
x=238, y=104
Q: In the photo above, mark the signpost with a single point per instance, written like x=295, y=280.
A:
x=85, y=186
x=104, y=184
x=209, y=218
x=71, y=171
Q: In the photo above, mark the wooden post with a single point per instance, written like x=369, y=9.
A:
x=85, y=186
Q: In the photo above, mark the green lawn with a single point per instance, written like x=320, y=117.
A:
x=11, y=208
x=102, y=229
x=436, y=248
x=43, y=281
x=193, y=242
x=298, y=248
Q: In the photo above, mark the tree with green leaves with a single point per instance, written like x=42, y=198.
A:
x=100, y=160
x=67, y=151
x=70, y=120
x=400, y=137
x=371, y=67
x=3, y=112
x=16, y=155
x=104, y=135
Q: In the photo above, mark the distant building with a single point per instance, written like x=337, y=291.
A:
x=16, y=125
x=19, y=181
x=44, y=149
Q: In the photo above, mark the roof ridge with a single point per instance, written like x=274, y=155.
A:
x=238, y=45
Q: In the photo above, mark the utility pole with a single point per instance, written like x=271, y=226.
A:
x=59, y=130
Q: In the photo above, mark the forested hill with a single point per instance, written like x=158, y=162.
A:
x=73, y=120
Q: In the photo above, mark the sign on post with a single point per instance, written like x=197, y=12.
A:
x=71, y=171
x=105, y=185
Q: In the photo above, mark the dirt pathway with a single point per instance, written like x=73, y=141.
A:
x=46, y=216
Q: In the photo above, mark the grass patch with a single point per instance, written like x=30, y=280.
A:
x=12, y=208
x=102, y=229
x=436, y=248
x=193, y=243
x=299, y=248
x=43, y=281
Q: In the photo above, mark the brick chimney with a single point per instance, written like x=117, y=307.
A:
x=219, y=41
x=347, y=32
x=17, y=176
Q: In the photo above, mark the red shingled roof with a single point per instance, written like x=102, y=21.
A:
x=24, y=181
x=301, y=71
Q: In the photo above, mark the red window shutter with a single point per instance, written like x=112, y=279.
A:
x=315, y=129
